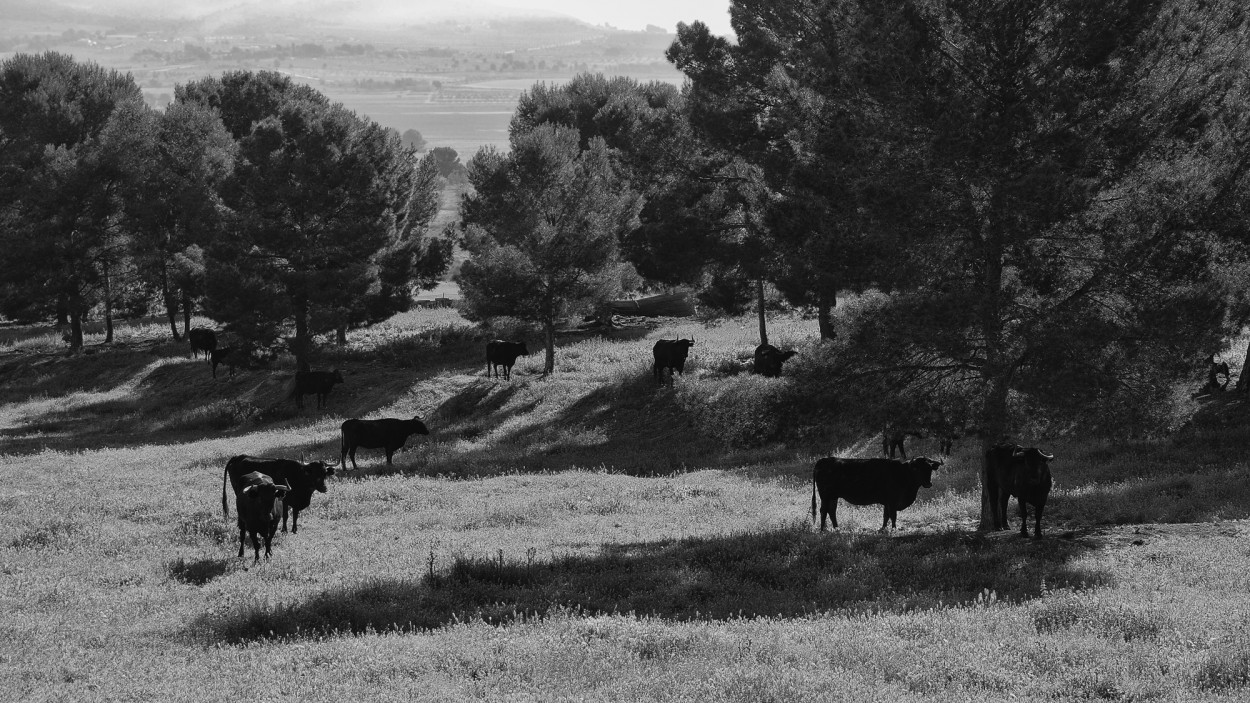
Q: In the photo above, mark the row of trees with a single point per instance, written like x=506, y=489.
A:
x=284, y=214
x=1054, y=192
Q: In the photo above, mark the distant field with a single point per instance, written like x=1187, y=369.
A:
x=465, y=127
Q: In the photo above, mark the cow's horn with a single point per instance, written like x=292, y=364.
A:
x=1046, y=456
x=1017, y=452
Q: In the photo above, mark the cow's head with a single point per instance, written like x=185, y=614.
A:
x=922, y=468
x=1035, y=462
x=266, y=492
x=316, y=473
x=336, y=377
x=417, y=426
x=524, y=350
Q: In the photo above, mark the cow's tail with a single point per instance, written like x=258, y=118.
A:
x=225, y=511
x=813, y=495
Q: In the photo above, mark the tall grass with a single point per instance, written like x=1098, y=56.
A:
x=564, y=538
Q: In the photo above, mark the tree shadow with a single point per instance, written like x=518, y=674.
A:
x=789, y=572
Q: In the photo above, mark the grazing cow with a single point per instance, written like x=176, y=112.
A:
x=260, y=506
x=670, y=354
x=387, y=433
x=310, y=382
x=768, y=359
x=1012, y=470
x=503, y=353
x=232, y=357
x=890, y=482
x=892, y=438
x=302, y=478
x=202, y=340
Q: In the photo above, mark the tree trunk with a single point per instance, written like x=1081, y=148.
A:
x=75, y=322
x=824, y=316
x=1243, y=381
x=759, y=301
x=108, y=305
x=186, y=312
x=301, y=345
x=171, y=304
x=62, y=311
x=997, y=371
x=341, y=331
x=549, y=340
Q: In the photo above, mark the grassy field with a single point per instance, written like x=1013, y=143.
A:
x=583, y=537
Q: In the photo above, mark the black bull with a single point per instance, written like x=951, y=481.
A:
x=1012, y=470
x=387, y=433
x=303, y=479
x=891, y=483
x=670, y=354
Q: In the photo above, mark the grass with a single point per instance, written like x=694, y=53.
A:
x=588, y=536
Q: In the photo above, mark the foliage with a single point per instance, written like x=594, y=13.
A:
x=328, y=213
x=542, y=229
x=66, y=132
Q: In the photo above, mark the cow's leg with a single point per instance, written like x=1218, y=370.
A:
x=268, y=542
x=242, y=539
x=1037, y=510
x=352, y=455
x=1000, y=511
x=1024, y=518
x=294, y=520
x=285, y=508
x=833, y=514
x=389, y=453
x=256, y=547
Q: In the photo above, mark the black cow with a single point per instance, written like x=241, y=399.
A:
x=232, y=357
x=1012, y=470
x=260, y=506
x=503, y=353
x=387, y=433
x=314, y=382
x=768, y=359
x=670, y=354
x=892, y=439
x=888, y=482
x=202, y=340
x=302, y=478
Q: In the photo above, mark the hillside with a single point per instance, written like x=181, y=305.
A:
x=590, y=536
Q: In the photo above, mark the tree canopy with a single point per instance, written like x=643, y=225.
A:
x=542, y=228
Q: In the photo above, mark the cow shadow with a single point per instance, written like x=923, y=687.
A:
x=785, y=572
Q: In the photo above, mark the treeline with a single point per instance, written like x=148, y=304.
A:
x=1050, y=195
x=280, y=214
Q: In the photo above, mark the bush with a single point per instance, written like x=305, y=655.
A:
x=743, y=411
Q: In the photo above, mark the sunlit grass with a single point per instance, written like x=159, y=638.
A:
x=586, y=536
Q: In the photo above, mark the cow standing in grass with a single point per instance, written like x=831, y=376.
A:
x=670, y=354
x=503, y=353
x=302, y=478
x=260, y=505
x=388, y=434
x=769, y=359
x=232, y=357
x=202, y=340
x=1012, y=470
x=318, y=383
x=891, y=483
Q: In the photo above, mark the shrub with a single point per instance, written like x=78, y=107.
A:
x=744, y=411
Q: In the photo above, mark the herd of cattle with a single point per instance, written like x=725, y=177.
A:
x=267, y=490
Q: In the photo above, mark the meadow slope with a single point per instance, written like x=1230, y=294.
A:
x=584, y=537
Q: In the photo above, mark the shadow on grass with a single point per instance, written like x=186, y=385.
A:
x=786, y=572
x=198, y=572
